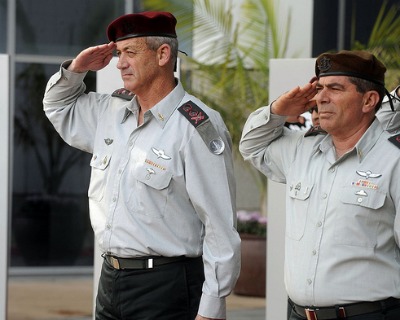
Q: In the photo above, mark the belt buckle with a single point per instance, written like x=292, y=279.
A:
x=115, y=263
x=341, y=313
x=310, y=314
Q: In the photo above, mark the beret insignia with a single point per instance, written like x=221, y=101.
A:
x=324, y=64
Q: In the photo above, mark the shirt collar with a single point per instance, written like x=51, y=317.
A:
x=163, y=110
x=363, y=146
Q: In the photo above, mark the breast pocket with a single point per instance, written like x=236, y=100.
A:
x=296, y=219
x=150, y=195
x=357, y=224
x=99, y=163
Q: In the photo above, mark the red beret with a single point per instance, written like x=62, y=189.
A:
x=359, y=64
x=143, y=24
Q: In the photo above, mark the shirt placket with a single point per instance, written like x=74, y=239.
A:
x=115, y=195
x=318, y=224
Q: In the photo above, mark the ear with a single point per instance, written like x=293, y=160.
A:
x=164, y=54
x=371, y=99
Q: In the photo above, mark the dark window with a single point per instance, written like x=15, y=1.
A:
x=55, y=27
x=3, y=25
x=359, y=18
x=50, y=218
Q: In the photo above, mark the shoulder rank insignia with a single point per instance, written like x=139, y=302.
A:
x=123, y=94
x=200, y=120
x=193, y=113
x=395, y=140
x=315, y=130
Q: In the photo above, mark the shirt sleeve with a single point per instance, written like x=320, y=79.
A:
x=73, y=113
x=261, y=129
x=211, y=187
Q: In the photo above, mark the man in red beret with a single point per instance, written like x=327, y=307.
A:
x=342, y=256
x=162, y=190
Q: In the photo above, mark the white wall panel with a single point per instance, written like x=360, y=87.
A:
x=4, y=180
x=285, y=74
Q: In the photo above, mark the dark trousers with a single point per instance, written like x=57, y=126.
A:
x=170, y=291
x=385, y=314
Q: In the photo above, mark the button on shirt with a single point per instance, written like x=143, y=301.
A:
x=342, y=223
x=155, y=189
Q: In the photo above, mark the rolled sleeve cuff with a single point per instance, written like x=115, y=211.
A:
x=212, y=307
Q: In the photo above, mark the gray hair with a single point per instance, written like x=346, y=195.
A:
x=363, y=86
x=153, y=43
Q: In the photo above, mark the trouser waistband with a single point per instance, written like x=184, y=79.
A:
x=343, y=311
x=142, y=262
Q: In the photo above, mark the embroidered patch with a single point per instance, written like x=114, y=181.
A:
x=193, y=113
x=123, y=94
x=395, y=140
x=313, y=131
x=199, y=119
x=324, y=64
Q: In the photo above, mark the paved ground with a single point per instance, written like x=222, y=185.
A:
x=70, y=298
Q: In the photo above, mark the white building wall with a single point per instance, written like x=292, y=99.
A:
x=4, y=180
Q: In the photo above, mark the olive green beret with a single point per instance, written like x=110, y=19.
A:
x=359, y=64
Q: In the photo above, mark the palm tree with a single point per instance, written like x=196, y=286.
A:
x=384, y=42
x=233, y=45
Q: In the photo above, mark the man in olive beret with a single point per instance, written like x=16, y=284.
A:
x=343, y=190
x=162, y=189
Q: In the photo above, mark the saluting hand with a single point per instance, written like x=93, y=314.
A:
x=296, y=101
x=93, y=58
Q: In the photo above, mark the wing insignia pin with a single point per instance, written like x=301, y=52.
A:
x=160, y=154
x=368, y=174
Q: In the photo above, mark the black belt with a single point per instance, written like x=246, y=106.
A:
x=343, y=311
x=140, y=263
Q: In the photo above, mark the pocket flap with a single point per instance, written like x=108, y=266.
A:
x=365, y=198
x=157, y=179
x=100, y=161
x=300, y=190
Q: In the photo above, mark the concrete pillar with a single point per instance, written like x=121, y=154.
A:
x=4, y=180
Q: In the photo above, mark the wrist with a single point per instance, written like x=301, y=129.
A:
x=72, y=67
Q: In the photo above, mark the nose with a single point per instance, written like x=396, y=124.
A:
x=122, y=64
x=321, y=96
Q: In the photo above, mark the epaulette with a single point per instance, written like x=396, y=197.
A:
x=200, y=120
x=314, y=130
x=123, y=94
x=395, y=140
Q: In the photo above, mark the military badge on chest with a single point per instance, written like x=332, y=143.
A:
x=161, y=156
x=365, y=183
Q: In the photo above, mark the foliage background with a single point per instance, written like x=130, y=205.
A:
x=233, y=44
